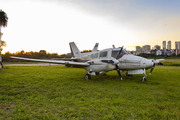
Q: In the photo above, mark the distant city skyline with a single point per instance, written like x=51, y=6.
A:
x=157, y=50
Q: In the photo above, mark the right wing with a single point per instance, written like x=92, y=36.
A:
x=67, y=63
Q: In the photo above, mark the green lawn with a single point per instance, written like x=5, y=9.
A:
x=57, y=92
x=171, y=62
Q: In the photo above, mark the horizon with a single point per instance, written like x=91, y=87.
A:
x=151, y=48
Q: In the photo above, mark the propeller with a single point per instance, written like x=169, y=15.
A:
x=119, y=53
x=155, y=62
x=152, y=68
x=118, y=71
x=160, y=63
x=115, y=62
x=117, y=68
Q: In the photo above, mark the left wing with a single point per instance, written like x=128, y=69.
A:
x=67, y=63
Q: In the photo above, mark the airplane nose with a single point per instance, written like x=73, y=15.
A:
x=145, y=63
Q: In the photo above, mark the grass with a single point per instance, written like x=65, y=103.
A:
x=57, y=92
x=171, y=62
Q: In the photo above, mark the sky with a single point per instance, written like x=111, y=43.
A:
x=50, y=25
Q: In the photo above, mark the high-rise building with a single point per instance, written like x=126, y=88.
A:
x=164, y=45
x=138, y=50
x=177, y=45
x=146, y=49
x=169, y=45
x=157, y=47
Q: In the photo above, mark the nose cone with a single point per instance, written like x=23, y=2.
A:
x=145, y=63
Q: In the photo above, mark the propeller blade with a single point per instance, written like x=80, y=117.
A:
x=152, y=68
x=160, y=63
x=118, y=71
x=119, y=53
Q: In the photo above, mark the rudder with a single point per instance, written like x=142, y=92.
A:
x=74, y=50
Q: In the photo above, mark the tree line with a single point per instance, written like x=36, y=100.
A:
x=42, y=54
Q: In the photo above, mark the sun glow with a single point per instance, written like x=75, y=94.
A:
x=44, y=25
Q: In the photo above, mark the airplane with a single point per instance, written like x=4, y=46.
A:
x=103, y=61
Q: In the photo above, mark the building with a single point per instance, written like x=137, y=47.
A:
x=169, y=45
x=138, y=50
x=178, y=51
x=158, y=52
x=157, y=47
x=164, y=45
x=146, y=49
x=177, y=45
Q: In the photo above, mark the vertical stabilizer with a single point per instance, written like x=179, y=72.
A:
x=74, y=50
x=95, y=47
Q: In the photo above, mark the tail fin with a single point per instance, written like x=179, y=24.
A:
x=95, y=47
x=74, y=50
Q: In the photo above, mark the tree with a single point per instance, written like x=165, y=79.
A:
x=3, y=23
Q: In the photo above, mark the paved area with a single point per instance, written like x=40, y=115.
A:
x=29, y=64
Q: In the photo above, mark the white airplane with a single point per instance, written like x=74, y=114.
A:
x=101, y=62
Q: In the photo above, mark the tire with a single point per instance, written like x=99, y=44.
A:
x=87, y=77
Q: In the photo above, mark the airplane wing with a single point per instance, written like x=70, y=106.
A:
x=65, y=59
x=67, y=63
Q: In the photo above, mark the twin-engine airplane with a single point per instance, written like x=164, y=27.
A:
x=100, y=62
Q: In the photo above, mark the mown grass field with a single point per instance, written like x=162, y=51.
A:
x=171, y=62
x=57, y=92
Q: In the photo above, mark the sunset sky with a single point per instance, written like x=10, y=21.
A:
x=51, y=24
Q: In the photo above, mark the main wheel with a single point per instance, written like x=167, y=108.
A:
x=87, y=77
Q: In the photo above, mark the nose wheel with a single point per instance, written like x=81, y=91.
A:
x=144, y=78
x=87, y=77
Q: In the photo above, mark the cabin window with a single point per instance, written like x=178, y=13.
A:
x=89, y=56
x=103, y=54
x=96, y=55
x=92, y=55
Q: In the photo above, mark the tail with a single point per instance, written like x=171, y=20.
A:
x=95, y=47
x=74, y=50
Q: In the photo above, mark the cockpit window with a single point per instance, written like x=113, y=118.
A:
x=116, y=52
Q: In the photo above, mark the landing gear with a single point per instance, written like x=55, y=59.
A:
x=87, y=77
x=144, y=78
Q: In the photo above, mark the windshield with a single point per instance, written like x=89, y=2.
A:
x=116, y=52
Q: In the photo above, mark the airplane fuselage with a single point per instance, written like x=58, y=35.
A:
x=126, y=61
